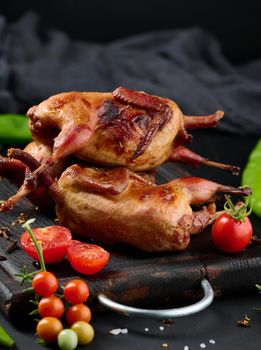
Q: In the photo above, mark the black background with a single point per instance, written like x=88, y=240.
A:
x=236, y=24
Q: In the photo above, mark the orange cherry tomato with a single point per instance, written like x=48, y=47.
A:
x=45, y=283
x=48, y=328
x=76, y=291
x=51, y=306
x=78, y=312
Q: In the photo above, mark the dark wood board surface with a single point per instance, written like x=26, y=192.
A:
x=132, y=277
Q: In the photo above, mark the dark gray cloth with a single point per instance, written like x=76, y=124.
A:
x=185, y=65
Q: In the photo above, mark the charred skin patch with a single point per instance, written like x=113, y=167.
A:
x=134, y=115
x=158, y=109
x=123, y=123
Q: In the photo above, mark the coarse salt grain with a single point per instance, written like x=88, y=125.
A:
x=186, y=347
x=115, y=331
x=161, y=328
x=118, y=331
x=146, y=329
x=203, y=345
x=212, y=341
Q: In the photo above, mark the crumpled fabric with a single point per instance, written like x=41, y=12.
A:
x=184, y=65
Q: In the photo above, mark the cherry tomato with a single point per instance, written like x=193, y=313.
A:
x=84, y=331
x=51, y=306
x=230, y=235
x=54, y=241
x=45, y=283
x=87, y=258
x=76, y=291
x=78, y=312
x=67, y=339
x=48, y=328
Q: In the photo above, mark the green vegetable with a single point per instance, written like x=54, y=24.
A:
x=251, y=176
x=14, y=129
x=67, y=339
x=5, y=339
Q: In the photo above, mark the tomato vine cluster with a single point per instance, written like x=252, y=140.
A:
x=68, y=308
x=56, y=310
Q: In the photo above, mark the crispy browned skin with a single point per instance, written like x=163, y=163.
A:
x=117, y=205
x=123, y=128
x=99, y=128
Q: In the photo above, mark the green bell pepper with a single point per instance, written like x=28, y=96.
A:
x=14, y=129
x=252, y=176
x=5, y=339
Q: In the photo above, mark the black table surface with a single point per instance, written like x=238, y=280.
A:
x=218, y=322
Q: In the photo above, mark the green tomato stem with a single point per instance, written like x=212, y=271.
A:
x=38, y=247
x=238, y=213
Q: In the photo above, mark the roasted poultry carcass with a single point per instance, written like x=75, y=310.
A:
x=117, y=205
x=125, y=131
x=123, y=128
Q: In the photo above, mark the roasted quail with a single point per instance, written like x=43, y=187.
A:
x=117, y=205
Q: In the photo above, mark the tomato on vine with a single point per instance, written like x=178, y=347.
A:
x=48, y=328
x=84, y=331
x=232, y=231
x=45, y=283
x=76, y=291
x=78, y=312
x=51, y=306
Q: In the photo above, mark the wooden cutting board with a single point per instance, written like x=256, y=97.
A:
x=133, y=277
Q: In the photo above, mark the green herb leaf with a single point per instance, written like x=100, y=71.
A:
x=34, y=312
x=257, y=309
x=258, y=287
x=40, y=341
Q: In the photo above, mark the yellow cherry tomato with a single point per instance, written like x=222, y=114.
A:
x=84, y=332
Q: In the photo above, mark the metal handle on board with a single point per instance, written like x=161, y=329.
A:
x=164, y=313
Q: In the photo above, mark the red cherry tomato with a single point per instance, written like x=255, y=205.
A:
x=78, y=312
x=45, y=283
x=54, y=241
x=51, y=306
x=87, y=258
x=76, y=291
x=230, y=235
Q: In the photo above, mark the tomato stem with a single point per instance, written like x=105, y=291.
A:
x=38, y=247
x=239, y=211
